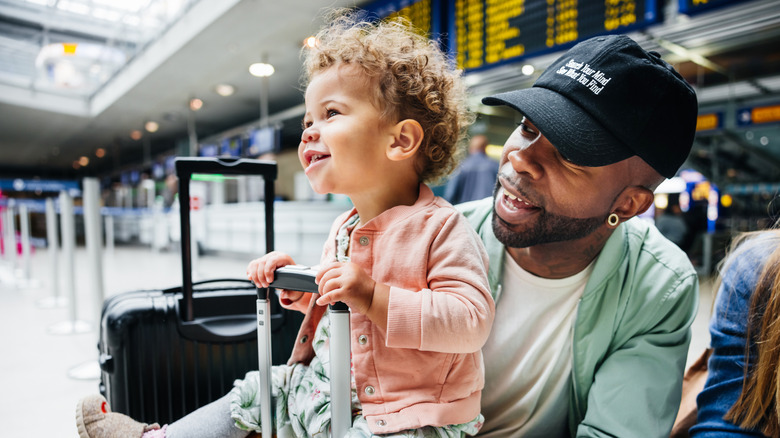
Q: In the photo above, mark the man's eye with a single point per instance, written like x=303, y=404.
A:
x=527, y=130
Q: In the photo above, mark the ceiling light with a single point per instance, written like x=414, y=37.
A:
x=225, y=90
x=152, y=126
x=261, y=69
x=100, y=153
x=310, y=42
x=196, y=104
x=83, y=161
x=136, y=134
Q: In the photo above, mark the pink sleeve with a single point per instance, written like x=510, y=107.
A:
x=456, y=313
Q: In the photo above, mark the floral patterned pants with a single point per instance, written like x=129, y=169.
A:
x=303, y=401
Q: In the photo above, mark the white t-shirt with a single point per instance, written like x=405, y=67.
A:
x=528, y=355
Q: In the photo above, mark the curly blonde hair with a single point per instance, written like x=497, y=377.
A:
x=413, y=79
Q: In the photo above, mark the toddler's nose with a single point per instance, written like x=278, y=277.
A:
x=309, y=134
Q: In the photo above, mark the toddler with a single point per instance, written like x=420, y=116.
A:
x=384, y=114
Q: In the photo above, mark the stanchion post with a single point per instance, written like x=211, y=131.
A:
x=10, y=233
x=68, y=224
x=109, y=225
x=93, y=234
x=52, y=243
x=24, y=231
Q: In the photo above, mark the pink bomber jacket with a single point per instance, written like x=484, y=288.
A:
x=426, y=369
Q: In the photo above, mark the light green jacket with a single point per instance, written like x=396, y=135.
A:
x=631, y=333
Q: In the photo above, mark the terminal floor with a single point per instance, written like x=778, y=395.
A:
x=46, y=368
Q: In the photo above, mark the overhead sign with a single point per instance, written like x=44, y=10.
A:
x=708, y=122
x=758, y=114
x=39, y=185
x=691, y=7
x=488, y=33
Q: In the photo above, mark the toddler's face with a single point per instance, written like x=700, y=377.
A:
x=342, y=147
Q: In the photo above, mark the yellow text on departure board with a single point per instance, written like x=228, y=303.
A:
x=619, y=13
x=561, y=22
x=418, y=13
x=498, y=30
x=469, y=25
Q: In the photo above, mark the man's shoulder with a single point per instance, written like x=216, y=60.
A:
x=480, y=207
x=477, y=211
x=648, y=247
x=644, y=236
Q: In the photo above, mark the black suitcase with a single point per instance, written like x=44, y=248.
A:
x=165, y=353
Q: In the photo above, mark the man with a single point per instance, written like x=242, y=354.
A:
x=476, y=176
x=593, y=307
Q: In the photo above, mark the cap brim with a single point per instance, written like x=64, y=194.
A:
x=576, y=134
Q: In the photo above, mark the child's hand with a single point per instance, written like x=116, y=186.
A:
x=261, y=271
x=345, y=282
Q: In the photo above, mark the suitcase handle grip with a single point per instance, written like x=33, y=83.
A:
x=300, y=278
x=246, y=283
x=185, y=168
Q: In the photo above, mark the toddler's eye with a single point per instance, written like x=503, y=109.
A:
x=305, y=124
x=332, y=112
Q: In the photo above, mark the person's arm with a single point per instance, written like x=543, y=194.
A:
x=728, y=333
x=455, y=314
x=636, y=389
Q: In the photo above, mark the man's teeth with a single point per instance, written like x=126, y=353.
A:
x=515, y=198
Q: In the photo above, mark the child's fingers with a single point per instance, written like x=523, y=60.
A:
x=261, y=271
x=251, y=272
x=325, y=270
x=330, y=286
x=273, y=261
x=332, y=296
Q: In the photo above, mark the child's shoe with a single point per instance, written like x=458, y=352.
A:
x=94, y=419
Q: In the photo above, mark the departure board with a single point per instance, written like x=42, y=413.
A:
x=423, y=14
x=691, y=7
x=490, y=32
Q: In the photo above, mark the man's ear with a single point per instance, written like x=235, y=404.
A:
x=407, y=137
x=634, y=201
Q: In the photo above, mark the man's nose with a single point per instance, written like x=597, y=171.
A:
x=526, y=158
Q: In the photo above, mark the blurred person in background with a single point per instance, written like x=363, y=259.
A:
x=476, y=176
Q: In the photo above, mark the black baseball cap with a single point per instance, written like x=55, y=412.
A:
x=607, y=99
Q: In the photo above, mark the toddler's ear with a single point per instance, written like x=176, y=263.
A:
x=408, y=135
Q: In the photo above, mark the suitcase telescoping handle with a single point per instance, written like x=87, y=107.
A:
x=185, y=168
x=301, y=278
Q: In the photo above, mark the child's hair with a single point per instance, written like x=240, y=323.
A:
x=413, y=80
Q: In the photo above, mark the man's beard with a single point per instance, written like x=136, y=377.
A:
x=548, y=228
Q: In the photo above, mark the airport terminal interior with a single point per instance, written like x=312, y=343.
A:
x=98, y=98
